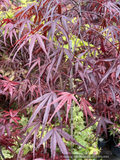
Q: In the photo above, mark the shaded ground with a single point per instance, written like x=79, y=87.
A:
x=106, y=152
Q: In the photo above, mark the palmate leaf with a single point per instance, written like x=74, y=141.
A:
x=102, y=121
x=47, y=136
x=56, y=139
x=32, y=39
x=51, y=99
x=61, y=145
x=9, y=27
x=24, y=23
x=48, y=99
x=35, y=62
x=68, y=137
x=32, y=43
x=9, y=86
x=42, y=100
x=86, y=109
x=13, y=115
x=65, y=97
x=110, y=70
x=113, y=10
x=25, y=10
x=34, y=91
x=5, y=128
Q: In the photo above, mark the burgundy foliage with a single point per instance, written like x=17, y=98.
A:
x=32, y=50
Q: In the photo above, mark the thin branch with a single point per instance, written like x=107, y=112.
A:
x=71, y=87
x=1, y=153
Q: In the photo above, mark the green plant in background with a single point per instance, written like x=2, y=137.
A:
x=85, y=137
x=10, y=12
x=6, y=153
x=22, y=1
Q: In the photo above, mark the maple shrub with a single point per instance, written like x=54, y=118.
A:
x=55, y=54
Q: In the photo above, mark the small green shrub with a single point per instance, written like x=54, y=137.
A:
x=85, y=137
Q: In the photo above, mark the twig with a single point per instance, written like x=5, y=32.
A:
x=79, y=17
x=1, y=153
x=71, y=87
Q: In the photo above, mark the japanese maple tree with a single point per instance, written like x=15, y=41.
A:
x=54, y=53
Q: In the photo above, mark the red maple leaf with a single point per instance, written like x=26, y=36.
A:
x=12, y=114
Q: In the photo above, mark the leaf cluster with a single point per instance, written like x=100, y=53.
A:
x=54, y=54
